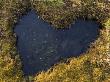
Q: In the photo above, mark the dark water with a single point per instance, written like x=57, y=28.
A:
x=40, y=46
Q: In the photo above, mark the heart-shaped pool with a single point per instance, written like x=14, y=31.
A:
x=40, y=45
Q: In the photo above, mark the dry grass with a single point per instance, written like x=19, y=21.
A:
x=90, y=67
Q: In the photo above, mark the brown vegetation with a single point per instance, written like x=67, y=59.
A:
x=93, y=66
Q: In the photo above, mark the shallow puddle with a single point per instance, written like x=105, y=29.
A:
x=40, y=45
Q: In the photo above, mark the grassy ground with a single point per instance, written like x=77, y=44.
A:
x=62, y=15
x=58, y=14
x=93, y=66
x=10, y=64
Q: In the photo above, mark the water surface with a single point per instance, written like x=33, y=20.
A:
x=40, y=46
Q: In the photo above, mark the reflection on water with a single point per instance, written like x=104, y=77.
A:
x=40, y=46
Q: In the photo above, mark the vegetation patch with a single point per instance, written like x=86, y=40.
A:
x=61, y=16
x=10, y=64
x=93, y=66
